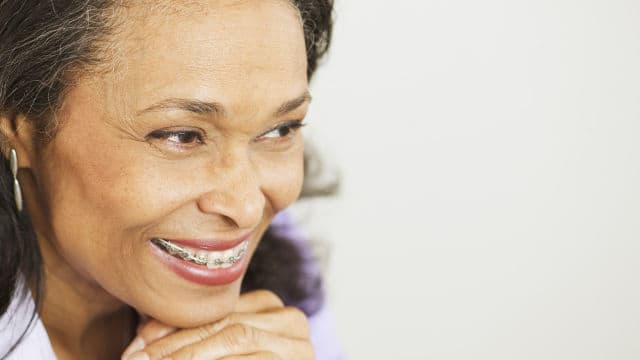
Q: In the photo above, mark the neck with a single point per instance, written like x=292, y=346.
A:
x=82, y=320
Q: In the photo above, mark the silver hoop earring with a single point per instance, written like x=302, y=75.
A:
x=17, y=191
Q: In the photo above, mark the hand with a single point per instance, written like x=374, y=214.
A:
x=260, y=328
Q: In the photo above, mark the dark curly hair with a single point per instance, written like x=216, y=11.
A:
x=42, y=45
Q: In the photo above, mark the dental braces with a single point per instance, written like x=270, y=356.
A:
x=183, y=254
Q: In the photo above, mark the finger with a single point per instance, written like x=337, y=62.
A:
x=258, y=301
x=240, y=339
x=172, y=342
x=255, y=356
x=154, y=329
x=148, y=332
x=287, y=322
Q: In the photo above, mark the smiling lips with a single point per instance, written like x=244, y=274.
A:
x=211, y=259
x=204, y=262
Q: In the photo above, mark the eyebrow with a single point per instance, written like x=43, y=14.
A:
x=213, y=108
x=190, y=105
x=289, y=106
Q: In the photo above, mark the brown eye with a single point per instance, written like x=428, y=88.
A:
x=182, y=137
x=283, y=130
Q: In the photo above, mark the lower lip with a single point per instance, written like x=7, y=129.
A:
x=201, y=274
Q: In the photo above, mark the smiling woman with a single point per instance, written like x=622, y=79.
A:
x=149, y=146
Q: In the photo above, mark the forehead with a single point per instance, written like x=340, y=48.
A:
x=230, y=51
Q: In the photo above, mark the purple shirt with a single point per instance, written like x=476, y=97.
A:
x=323, y=330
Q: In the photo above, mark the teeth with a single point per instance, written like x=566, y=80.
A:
x=215, y=261
x=212, y=259
x=227, y=254
x=202, y=258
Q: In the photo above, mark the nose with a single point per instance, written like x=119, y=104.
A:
x=234, y=194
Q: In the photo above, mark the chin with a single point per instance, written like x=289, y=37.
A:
x=185, y=294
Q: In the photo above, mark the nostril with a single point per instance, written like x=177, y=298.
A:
x=229, y=221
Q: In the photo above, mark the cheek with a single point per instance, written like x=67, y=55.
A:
x=114, y=187
x=103, y=195
x=282, y=178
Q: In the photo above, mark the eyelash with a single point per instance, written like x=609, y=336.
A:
x=166, y=134
x=197, y=136
x=287, y=128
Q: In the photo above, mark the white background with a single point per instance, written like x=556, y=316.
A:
x=490, y=159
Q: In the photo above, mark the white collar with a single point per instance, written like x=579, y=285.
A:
x=35, y=344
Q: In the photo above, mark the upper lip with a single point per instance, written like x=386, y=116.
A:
x=209, y=244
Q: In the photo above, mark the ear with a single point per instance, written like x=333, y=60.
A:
x=16, y=132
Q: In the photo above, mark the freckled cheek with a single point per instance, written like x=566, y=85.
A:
x=98, y=202
x=122, y=190
x=146, y=194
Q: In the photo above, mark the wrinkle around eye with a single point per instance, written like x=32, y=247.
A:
x=178, y=140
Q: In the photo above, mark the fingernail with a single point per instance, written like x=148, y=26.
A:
x=136, y=345
x=139, y=356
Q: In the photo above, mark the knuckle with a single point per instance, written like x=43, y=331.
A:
x=210, y=330
x=158, y=350
x=239, y=336
x=187, y=354
x=203, y=332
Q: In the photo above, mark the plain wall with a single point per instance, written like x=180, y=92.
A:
x=490, y=170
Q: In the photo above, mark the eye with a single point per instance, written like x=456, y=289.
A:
x=283, y=130
x=178, y=137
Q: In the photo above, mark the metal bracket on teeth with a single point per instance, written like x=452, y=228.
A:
x=185, y=255
x=201, y=260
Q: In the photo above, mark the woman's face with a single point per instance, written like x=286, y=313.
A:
x=191, y=139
